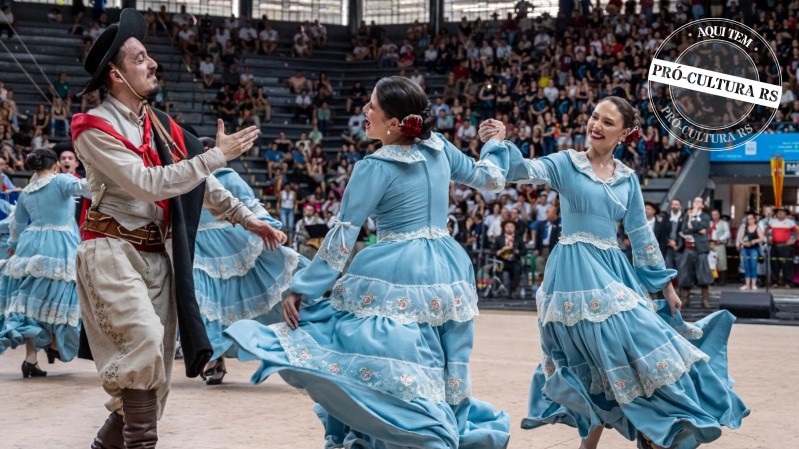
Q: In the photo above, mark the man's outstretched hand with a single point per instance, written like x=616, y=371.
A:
x=272, y=237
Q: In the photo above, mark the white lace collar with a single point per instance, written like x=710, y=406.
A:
x=409, y=154
x=38, y=183
x=580, y=160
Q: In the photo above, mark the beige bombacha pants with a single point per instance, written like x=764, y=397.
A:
x=129, y=313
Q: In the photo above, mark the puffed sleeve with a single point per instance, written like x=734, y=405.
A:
x=544, y=170
x=650, y=268
x=362, y=195
x=486, y=174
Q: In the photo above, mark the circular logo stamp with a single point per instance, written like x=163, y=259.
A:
x=715, y=84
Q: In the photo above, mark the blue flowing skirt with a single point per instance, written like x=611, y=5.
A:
x=613, y=358
x=38, y=294
x=386, y=356
x=237, y=278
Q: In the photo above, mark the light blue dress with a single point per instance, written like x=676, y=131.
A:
x=611, y=356
x=235, y=276
x=386, y=354
x=5, y=229
x=37, y=289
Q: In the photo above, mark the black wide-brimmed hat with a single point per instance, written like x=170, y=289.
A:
x=131, y=24
x=653, y=205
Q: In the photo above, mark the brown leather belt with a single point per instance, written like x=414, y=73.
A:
x=146, y=238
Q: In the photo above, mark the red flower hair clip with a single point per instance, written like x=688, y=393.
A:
x=411, y=125
x=634, y=135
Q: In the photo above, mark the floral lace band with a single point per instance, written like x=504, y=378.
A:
x=594, y=305
x=428, y=232
x=587, y=237
x=403, y=379
x=434, y=304
x=640, y=377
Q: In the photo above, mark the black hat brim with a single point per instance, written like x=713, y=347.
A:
x=131, y=25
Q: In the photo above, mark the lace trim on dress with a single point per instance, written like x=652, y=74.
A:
x=434, y=304
x=213, y=225
x=648, y=252
x=580, y=160
x=639, y=377
x=249, y=308
x=487, y=176
x=587, y=237
x=50, y=227
x=428, y=232
x=400, y=378
x=233, y=265
x=38, y=184
x=434, y=143
x=58, y=269
x=335, y=249
x=408, y=154
x=51, y=310
x=594, y=305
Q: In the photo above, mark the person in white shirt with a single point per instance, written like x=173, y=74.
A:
x=467, y=131
x=551, y=92
x=207, y=71
x=180, y=19
x=305, y=245
x=319, y=34
x=247, y=79
x=550, y=194
x=356, y=119
x=303, y=105
x=268, y=39
x=720, y=236
x=248, y=36
x=418, y=78
x=222, y=35
x=302, y=43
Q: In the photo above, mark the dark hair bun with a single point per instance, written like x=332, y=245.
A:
x=41, y=159
x=399, y=97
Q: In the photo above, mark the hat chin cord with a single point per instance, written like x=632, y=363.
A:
x=165, y=136
x=142, y=99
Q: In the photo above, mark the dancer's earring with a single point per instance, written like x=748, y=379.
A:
x=388, y=131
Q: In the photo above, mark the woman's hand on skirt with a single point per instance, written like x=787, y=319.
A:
x=671, y=297
x=291, y=310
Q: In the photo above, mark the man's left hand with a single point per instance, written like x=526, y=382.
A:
x=272, y=238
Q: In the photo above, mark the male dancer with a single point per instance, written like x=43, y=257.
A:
x=694, y=268
x=149, y=180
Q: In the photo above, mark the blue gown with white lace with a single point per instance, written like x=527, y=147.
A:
x=386, y=354
x=611, y=356
x=235, y=276
x=5, y=229
x=38, y=293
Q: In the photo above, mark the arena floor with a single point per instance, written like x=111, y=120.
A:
x=65, y=409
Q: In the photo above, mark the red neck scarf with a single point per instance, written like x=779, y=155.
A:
x=148, y=153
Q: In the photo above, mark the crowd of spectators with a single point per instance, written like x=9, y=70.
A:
x=536, y=74
x=542, y=79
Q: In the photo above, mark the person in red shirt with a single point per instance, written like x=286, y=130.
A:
x=783, y=237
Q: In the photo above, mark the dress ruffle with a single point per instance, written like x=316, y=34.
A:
x=673, y=393
x=229, y=265
x=404, y=303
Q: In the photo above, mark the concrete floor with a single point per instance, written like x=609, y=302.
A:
x=65, y=409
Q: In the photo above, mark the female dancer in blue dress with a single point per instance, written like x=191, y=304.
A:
x=235, y=276
x=37, y=290
x=386, y=354
x=611, y=357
